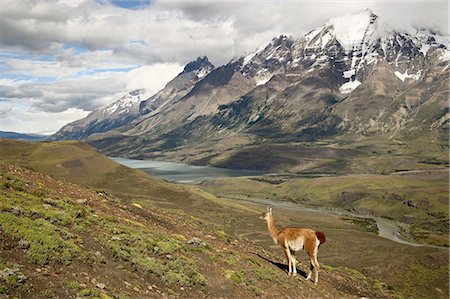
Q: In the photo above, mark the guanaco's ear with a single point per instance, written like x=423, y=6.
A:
x=269, y=209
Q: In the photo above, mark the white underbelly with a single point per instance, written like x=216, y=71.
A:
x=297, y=244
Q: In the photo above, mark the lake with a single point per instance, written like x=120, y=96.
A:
x=184, y=173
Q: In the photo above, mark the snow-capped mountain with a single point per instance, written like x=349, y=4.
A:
x=106, y=118
x=268, y=60
x=194, y=97
x=178, y=87
x=127, y=104
x=352, y=78
x=350, y=46
x=200, y=67
x=134, y=103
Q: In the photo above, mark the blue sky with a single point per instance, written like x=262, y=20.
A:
x=61, y=59
x=131, y=4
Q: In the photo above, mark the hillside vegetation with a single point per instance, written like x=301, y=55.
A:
x=123, y=234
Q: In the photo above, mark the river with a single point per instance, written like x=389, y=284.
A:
x=184, y=173
x=388, y=229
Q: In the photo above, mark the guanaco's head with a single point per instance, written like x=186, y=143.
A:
x=267, y=214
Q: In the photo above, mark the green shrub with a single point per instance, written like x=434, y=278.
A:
x=168, y=246
x=221, y=234
x=45, y=241
x=3, y=288
x=89, y=292
x=71, y=284
x=237, y=277
x=262, y=271
x=47, y=294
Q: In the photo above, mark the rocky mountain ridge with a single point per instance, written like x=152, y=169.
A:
x=352, y=78
x=105, y=118
x=135, y=103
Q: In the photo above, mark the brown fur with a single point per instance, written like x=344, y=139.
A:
x=293, y=239
x=321, y=237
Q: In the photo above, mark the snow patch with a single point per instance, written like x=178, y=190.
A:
x=322, y=58
x=424, y=49
x=325, y=40
x=349, y=73
x=123, y=104
x=405, y=76
x=310, y=35
x=111, y=108
x=445, y=56
x=203, y=72
x=253, y=118
x=262, y=81
x=349, y=86
x=350, y=28
x=249, y=57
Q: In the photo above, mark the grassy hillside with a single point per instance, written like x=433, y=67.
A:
x=62, y=240
x=80, y=163
x=71, y=160
x=126, y=235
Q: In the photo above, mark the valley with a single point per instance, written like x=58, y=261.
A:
x=419, y=201
x=124, y=234
x=415, y=199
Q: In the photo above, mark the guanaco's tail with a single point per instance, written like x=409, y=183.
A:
x=321, y=237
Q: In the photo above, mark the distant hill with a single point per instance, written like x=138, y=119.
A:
x=80, y=163
x=21, y=136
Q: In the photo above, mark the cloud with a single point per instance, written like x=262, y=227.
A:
x=86, y=92
x=170, y=31
x=75, y=55
x=152, y=77
x=425, y=14
x=61, y=95
x=32, y=120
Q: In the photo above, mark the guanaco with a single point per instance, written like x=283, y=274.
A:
x=293, y=239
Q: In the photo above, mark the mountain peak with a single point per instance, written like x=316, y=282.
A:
x=280, y=39
x=350, y=29
x=200, y=63
x=125, y=102
x=370, y=12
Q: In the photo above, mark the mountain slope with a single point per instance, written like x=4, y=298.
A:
x=354, y=79
x=134, y=103
x=116, y=114
x=220, y=86
x=21, y=136
x=179, y=86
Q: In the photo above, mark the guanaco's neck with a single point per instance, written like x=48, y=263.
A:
x=272, y=228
